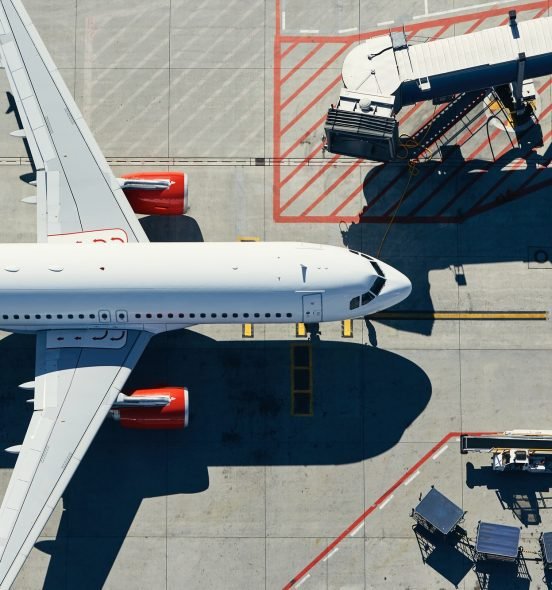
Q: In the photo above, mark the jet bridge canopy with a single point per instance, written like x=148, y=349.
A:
x=385, y=73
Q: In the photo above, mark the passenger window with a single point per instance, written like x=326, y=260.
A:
x=235, y=315
x=5, y=317
x=81, y=316
x=60, y=317
x=224, y=315
x=355, y=302
x=159, y=315
x=192, y=315
x=148, y=315
x=257, y=315
x=48, y=316
x=92, y=316
x=180, y=315
x=37, y=316
x=202, y=315
x=70, y=316
x=267, y=315
x=16, y=317
x=278, y=315
x=289, y=315
x=213, y=315
x=170, y=315
x=27, y=317
x=245, y=315
x=137, y=315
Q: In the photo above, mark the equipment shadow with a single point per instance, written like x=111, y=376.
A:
x=364, y=399
x=524, y=494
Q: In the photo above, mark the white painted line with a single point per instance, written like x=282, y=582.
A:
x=309, y=31
x=440, y=452
x=283, y=20
x=385, y=502
x=461, y=9
x=348, y=30
x=384, y=23
x=457, y=439
x=332, y=552
x=412, y=477
x=302, y=580
x=426, y=6
x=359, y=527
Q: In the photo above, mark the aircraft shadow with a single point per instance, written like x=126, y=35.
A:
x=364, y=399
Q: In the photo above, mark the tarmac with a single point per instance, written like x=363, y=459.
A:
x=252, y=495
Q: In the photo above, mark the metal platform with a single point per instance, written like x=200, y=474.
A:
x=497, y=541
x=483, y=444
x=437, y=513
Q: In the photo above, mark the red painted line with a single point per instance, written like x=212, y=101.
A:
x=315, y=75
x=485, y=166
x=504, y=175
x=325, y=91
x=410, y=112
x=317, y=201
x=304, y=135
x=354, y=193
x=301, y=63
x=303, y=163
x=310, y=181
x=290, y=48
x=523, y=192
x=276, y=122
x=377, y=503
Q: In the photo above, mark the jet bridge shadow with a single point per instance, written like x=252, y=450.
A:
x=364, y=399
x=511, y=223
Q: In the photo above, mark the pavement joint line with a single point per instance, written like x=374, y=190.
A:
x=332, y=552
x=440, y=452
x=462, y=8
x=302, y=580
x=386, y=501
x=412, y=478
x=358, y=528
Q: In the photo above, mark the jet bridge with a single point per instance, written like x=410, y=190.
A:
x=386, y=73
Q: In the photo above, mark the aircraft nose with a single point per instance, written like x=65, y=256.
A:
x=401, y=286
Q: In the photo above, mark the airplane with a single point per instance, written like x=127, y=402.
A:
x=94, y=290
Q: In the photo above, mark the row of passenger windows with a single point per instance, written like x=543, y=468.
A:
x=138, y=316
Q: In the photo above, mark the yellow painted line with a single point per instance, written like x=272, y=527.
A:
x=347, y=329
x=248, y=331
x=300, y=331
x=249, y=239
x=461, y=315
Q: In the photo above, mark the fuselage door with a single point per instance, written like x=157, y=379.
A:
x=312, y=308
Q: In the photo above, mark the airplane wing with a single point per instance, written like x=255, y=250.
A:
x=74, y=390
x=76, y=189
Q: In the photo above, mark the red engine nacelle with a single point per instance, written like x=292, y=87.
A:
x=143, y=409
x=156, y=193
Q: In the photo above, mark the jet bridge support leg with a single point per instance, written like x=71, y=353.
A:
x=517, y=86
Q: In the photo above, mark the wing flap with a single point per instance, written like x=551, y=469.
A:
x=75, y=390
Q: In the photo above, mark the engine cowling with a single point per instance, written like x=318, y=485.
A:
x=156, y=193
x=164, y=408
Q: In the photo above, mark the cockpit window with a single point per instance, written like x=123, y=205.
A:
x=355, y=302
x=377, y=268
x=367, y=297
x=378, y=285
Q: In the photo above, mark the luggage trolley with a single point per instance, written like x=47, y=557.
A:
x=437, y=513
x=546, y=550
x=497, y=541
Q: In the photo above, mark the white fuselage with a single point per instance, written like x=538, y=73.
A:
x=165, y=286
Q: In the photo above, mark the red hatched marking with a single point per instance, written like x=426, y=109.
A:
x=299, y=115
x=298, y=577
